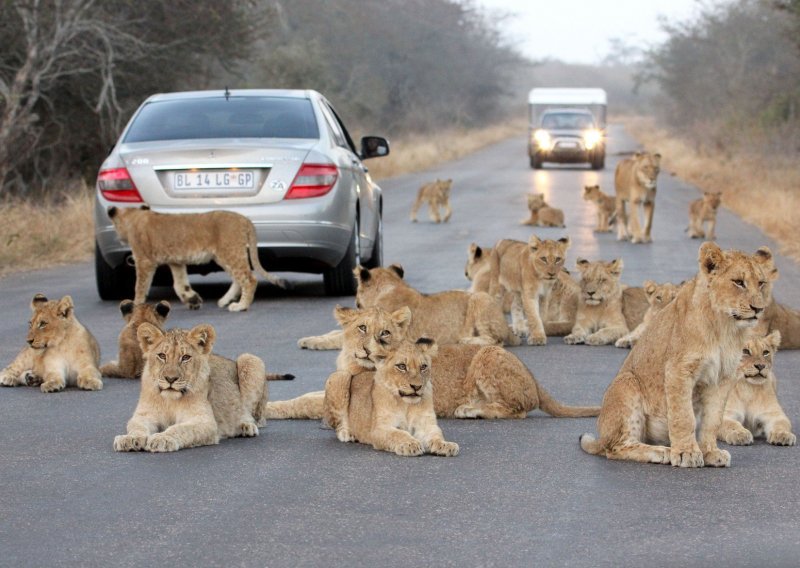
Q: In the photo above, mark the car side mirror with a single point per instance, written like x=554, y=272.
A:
x=374, y=147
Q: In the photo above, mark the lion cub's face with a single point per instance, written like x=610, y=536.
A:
x=548, y=256
x=647, y=168
x=599, y=280
x=371, y=282
x=536, y=201
x=371, y=330
x=591, y=193
x=712, y=199
x=659, y=295
x=176, y=361
x=477, y=258
x=407, y=369
x=739, y=284
x=50, y=321
x=757, y=357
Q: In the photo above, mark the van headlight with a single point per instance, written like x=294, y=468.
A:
x=591, y=138
x=543, y=139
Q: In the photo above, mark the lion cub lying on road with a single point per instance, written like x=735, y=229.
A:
x=606, y=207
x=704, y=210
x=227, y=238
x=542, y=214
x=599, y=320
x=436, y=194
x=130, y=363
x=684, y=365
x=60, y=350
x=753, y=408
x=191, y=397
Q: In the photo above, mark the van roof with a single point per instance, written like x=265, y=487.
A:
x=548, y=96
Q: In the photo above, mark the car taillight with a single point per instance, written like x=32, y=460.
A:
x=116, y=185
x=313, y=180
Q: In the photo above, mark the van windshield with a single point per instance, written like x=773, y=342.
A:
x=217, y=117
x=567, y=121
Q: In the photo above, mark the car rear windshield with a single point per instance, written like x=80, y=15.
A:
x=235, y=117
x=567, y=121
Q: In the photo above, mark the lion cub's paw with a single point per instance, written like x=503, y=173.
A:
x=411, y=448
x=162, y=443
x=465, y=411
x=624, y=343
x=444, y=448
x=573, y=339
x=717, y=458
x=90, y=381
x=537, y=340
x=344, y=435
x=7, y=379
x=194, y=302
x=31, y=379
x=686, y=457
x=595, y=339
x=52, y=386
x=741, y=437
x=781, y=438
x=248, y=429
x=238, y=307
x=129, y=443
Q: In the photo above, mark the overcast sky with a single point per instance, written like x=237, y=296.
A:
x=578, y=31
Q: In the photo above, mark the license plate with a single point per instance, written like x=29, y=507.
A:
x=214, y=179
x=568, y=145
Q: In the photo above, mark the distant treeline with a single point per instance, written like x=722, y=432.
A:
x=73, y=71
x=731, y=76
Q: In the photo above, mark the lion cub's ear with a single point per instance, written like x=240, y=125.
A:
x=764, y=257
x=582, y=264
x=398, y=269
x=362, y=274
x=402, y=317
x=148, y=334
x=65, y=307
x=202, y=336
x=126, y=309
x=474, y=251
x=163, y=308
x=344, y=315
x=534, y=242
x=565, y=241
x=774, y=339
x=649, y=287
x=615, y=267
x=710, y=258
x=38, y=301
x=427, y=346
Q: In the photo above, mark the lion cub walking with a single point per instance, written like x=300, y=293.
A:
x=436, y=194
x=60, y=350
x=704, y=210
x=191, y=397
x=753, y=408
x=227, y=238
x=635, y=184
x=542, y=214
x=606, y=207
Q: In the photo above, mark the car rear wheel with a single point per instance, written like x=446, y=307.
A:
x=340, y=280
x=376, y=260
x=113, y=283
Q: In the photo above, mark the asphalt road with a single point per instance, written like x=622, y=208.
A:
x=520, y=492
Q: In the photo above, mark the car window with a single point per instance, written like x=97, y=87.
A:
x=333, y=125
x=235, y=117
x=343, y=130
x=567, y=121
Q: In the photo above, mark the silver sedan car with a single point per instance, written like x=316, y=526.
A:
x=282, y=158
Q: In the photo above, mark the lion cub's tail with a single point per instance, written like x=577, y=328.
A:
x=590, y=445
x=554, y=408
x=280, y=377
x=252, y=251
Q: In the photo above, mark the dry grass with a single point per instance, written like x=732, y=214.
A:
x=35, y=235
x=763, y=190
x=415, y=153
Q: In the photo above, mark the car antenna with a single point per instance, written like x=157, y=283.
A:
x=227, y=93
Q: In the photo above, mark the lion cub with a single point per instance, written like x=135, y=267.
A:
x=478, y=270
x=227, y=238
x=753, y=408
x=658, y=296
x=606, y=207
x=542, y=214
x=436, y=194
x=130, y=363
x=60, y=350
x=191, y=397
x=704, y=210
x=599, y=320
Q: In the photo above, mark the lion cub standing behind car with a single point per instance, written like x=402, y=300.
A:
x=436, y=194
x=177, y=240
x=542, y=214
x=191, y=397
x=60, y=350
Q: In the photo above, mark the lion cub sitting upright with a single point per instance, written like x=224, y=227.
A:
x=130, y=363
x=191, y=397
x=436, y=194
x=704, y=210
x=60, y=350
x=227, y=238
x=542, y=214
x=753, y=408
x=606, y=207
